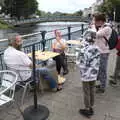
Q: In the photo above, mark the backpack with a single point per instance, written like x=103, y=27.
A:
x=113, y=40
x=118, y=44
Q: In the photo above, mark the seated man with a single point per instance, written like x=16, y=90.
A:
x=18, y=60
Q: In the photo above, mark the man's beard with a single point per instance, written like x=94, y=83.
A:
x=19, y=47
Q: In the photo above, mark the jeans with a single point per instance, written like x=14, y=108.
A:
x=102, y=74
x=44, y=72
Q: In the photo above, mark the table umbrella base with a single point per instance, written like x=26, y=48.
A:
x=41, y=113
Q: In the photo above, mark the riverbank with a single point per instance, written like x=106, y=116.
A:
x=4, y=25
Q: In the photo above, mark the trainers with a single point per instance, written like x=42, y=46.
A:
x=85, y=113
x=61, y=80
x=65, y=72
x=91, y=111
x=97, y=86
x=113, y=82
x=113, y=77
x=100, y=90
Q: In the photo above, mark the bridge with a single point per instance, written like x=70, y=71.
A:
x=15, y=22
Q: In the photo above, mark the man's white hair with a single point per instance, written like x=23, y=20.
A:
x=12, y=38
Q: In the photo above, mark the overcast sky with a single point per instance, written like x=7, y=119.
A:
x=64, y=5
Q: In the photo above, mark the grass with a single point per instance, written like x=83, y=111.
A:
x=4, y=25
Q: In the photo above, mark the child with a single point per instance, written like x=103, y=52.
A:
x=89, y=66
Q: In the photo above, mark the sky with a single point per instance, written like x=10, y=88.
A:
x=67, y=6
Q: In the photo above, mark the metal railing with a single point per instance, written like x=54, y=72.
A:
x=44, y=44
x=42, y=19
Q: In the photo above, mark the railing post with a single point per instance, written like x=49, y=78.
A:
x=82, y=29
x=69, y=33
x=43, y=39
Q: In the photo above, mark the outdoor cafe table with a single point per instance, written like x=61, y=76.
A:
x=45, y=55
x=73, y=42
x=39, y=55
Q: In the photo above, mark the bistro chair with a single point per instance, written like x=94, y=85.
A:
x=21, y=82
x=71, y=56
x=8, y=81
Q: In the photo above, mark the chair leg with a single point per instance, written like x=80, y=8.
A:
x=23, y=95
x=41, y=86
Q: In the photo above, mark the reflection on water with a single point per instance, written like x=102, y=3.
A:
x=47, y=26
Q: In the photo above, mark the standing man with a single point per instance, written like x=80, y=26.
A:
x=103, y=31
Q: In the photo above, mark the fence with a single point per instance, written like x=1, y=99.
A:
x=44, y=44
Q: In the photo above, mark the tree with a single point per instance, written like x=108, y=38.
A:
x=20, y=8
x=109, y=7
x=79, y=13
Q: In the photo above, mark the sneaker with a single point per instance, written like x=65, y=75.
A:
x=61, y=80
x=100, y=90
x=97, y=86
x=113, y=77
x=113, y=82
x=65, y=72
x=85, y=112
x=91, y=111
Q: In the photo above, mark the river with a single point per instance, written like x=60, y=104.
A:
x=47, y=26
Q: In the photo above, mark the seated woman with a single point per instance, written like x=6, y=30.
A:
x=59, y=46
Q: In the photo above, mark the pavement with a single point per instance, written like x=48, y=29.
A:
x=65, y=104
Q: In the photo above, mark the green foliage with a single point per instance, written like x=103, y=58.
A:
x=38, y=12
x=3, y=25
x=20, y=8
x=79, y=13
x=109, y=7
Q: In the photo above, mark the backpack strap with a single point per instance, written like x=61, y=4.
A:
x=106, y=40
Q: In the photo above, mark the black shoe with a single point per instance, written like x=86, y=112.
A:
x=113, y=77
x=113, y=82
x=85, y=112
x=100, y=90
x=91, y=111
x=98, y=86
x=65, y=72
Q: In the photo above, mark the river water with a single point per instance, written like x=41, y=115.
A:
x=47, y=26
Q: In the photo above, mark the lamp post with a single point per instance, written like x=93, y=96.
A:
x=0, y=9
x=35, y=112
x=114, y=14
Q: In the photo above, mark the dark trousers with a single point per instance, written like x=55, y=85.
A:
x=60, y=62
x=88, y=89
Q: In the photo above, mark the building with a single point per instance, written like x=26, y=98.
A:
x=87, y=12
x=93, y=9
x=99, y=2
x=1, y=2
